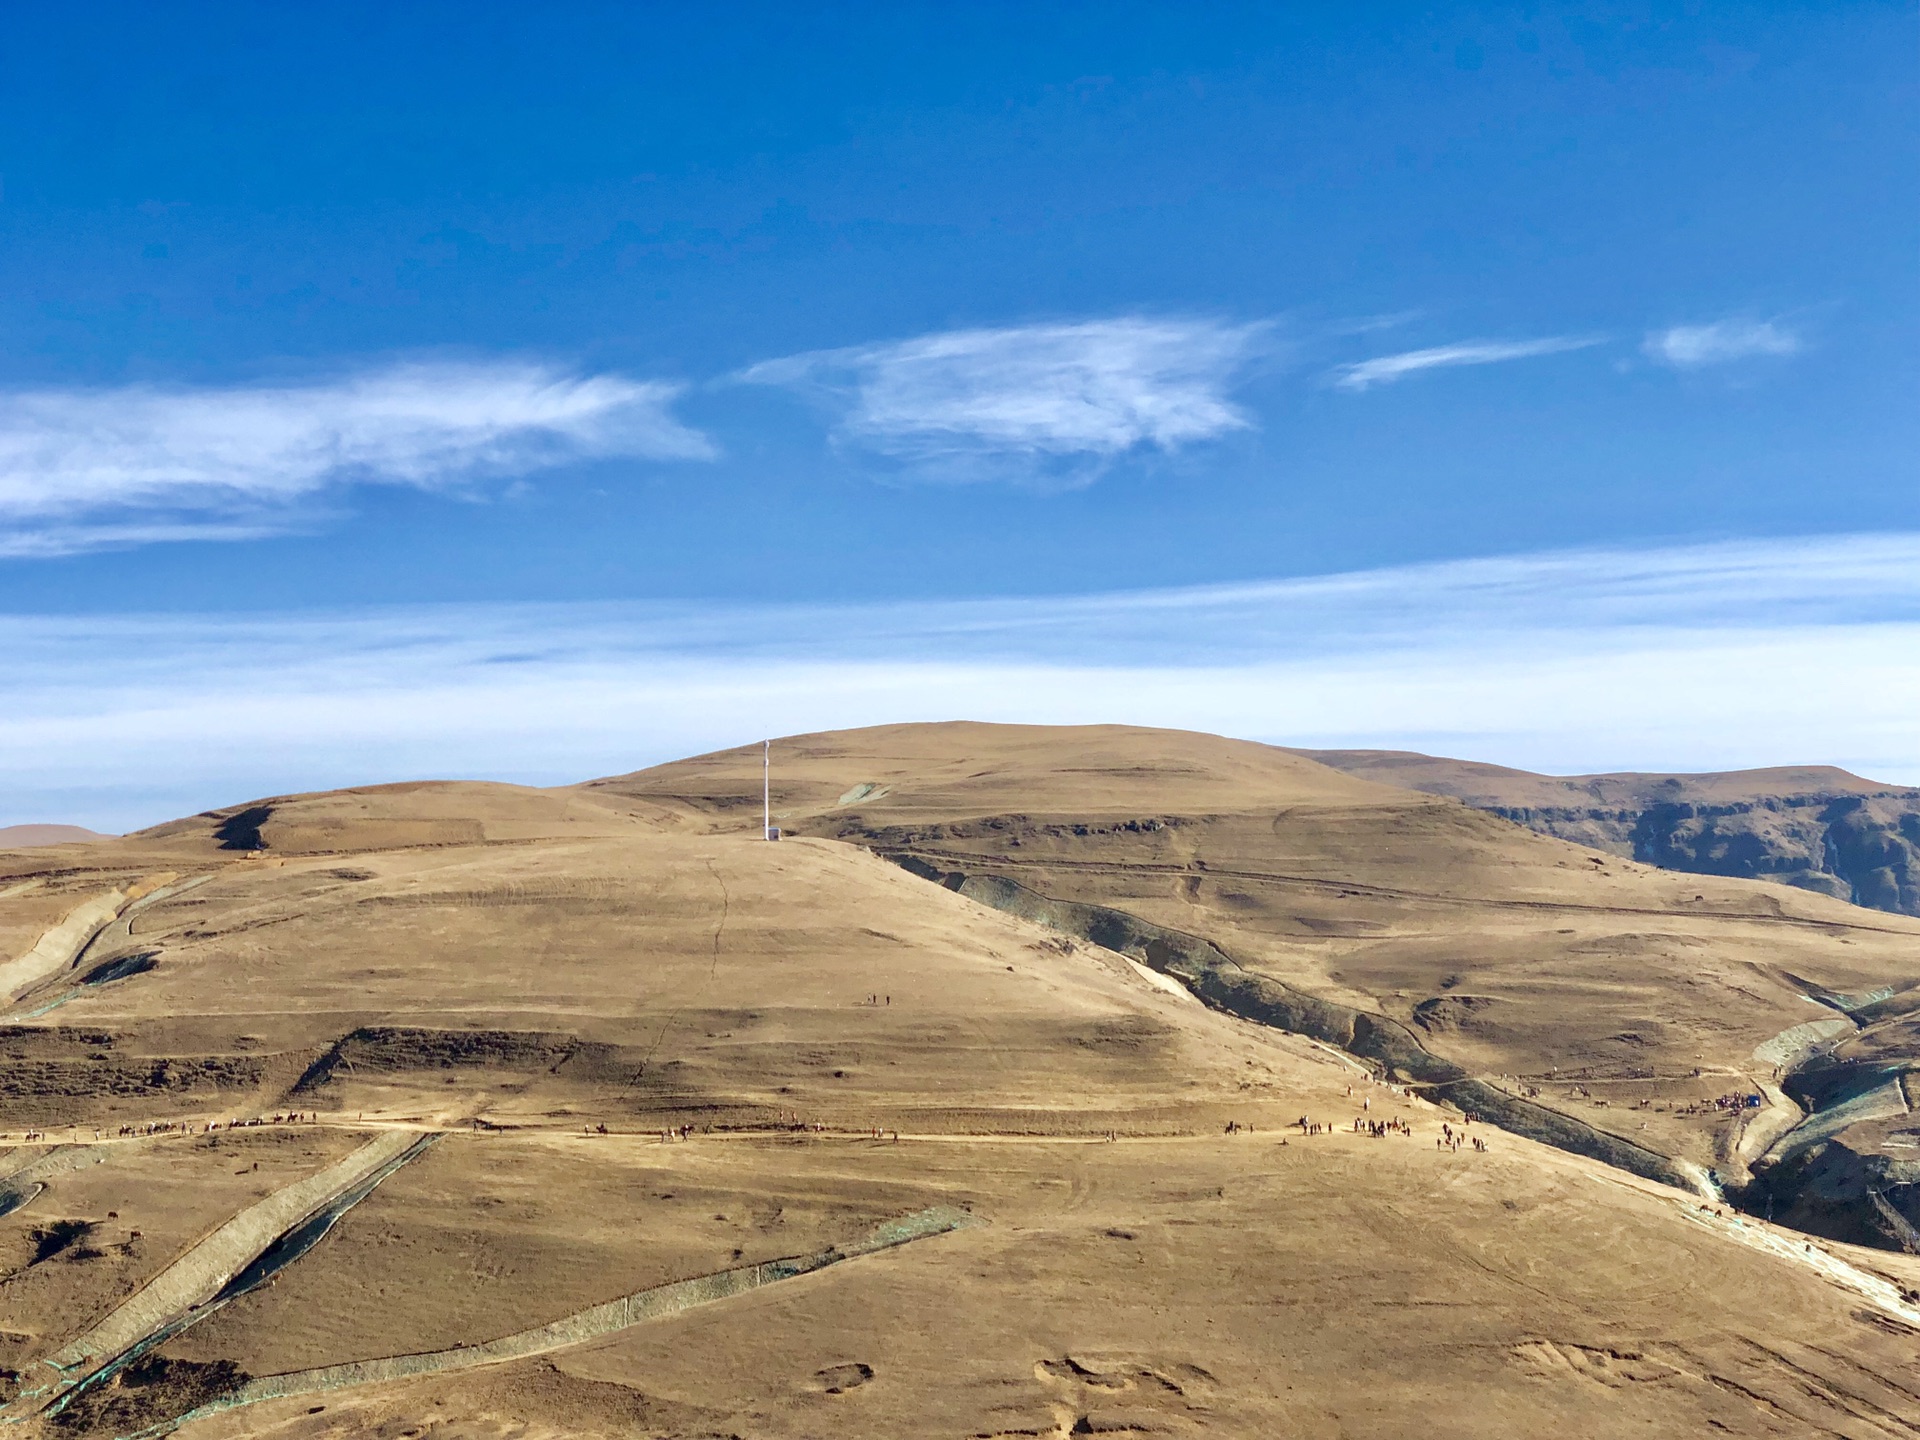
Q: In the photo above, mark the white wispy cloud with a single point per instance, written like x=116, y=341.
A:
x=1058, y=399
x=1385, y=369
x=1691, y=658
x=81, y=469
x=1688, y=347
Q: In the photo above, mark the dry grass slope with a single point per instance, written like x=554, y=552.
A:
x=553, y=982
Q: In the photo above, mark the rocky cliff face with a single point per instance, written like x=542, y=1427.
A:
x=1816, y=827
x=1858, y=848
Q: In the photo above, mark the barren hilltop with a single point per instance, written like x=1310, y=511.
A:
x=27, y=837
x=1040, y=1081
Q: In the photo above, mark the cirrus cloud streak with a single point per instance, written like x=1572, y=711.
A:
x=83, y=469
x=1058, y=399
x=1385, y=369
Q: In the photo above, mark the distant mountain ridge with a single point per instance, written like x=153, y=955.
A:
x=1815, y=826
x=28, y=837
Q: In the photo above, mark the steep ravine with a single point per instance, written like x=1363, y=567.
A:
x=1809, y=1178
x=1832, y=1174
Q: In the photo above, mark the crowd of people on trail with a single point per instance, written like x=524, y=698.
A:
x=1452, y=1139
x=292, y=1117
x=1380, y=1129
x=1724, y=1104
x=184, y=1127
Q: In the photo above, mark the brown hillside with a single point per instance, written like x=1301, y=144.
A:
x=1627, y=996
x=1089, y=1222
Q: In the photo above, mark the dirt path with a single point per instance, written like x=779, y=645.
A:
x=1767, y=1126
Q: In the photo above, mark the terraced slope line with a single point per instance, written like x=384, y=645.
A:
x=44, y=999
x=656, y=1303
x=58, y=947
x=203, y=1271
x=63, y=944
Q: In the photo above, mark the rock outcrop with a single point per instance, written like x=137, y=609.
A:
x=1816, y=827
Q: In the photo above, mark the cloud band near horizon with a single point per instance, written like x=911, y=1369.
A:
x=1692, y=658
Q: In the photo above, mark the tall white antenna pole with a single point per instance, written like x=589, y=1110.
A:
x=766, y=790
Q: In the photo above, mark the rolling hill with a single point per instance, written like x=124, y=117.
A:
x=477, y=1110
x=26, y=837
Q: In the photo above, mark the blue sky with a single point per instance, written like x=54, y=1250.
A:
x=512, y=325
